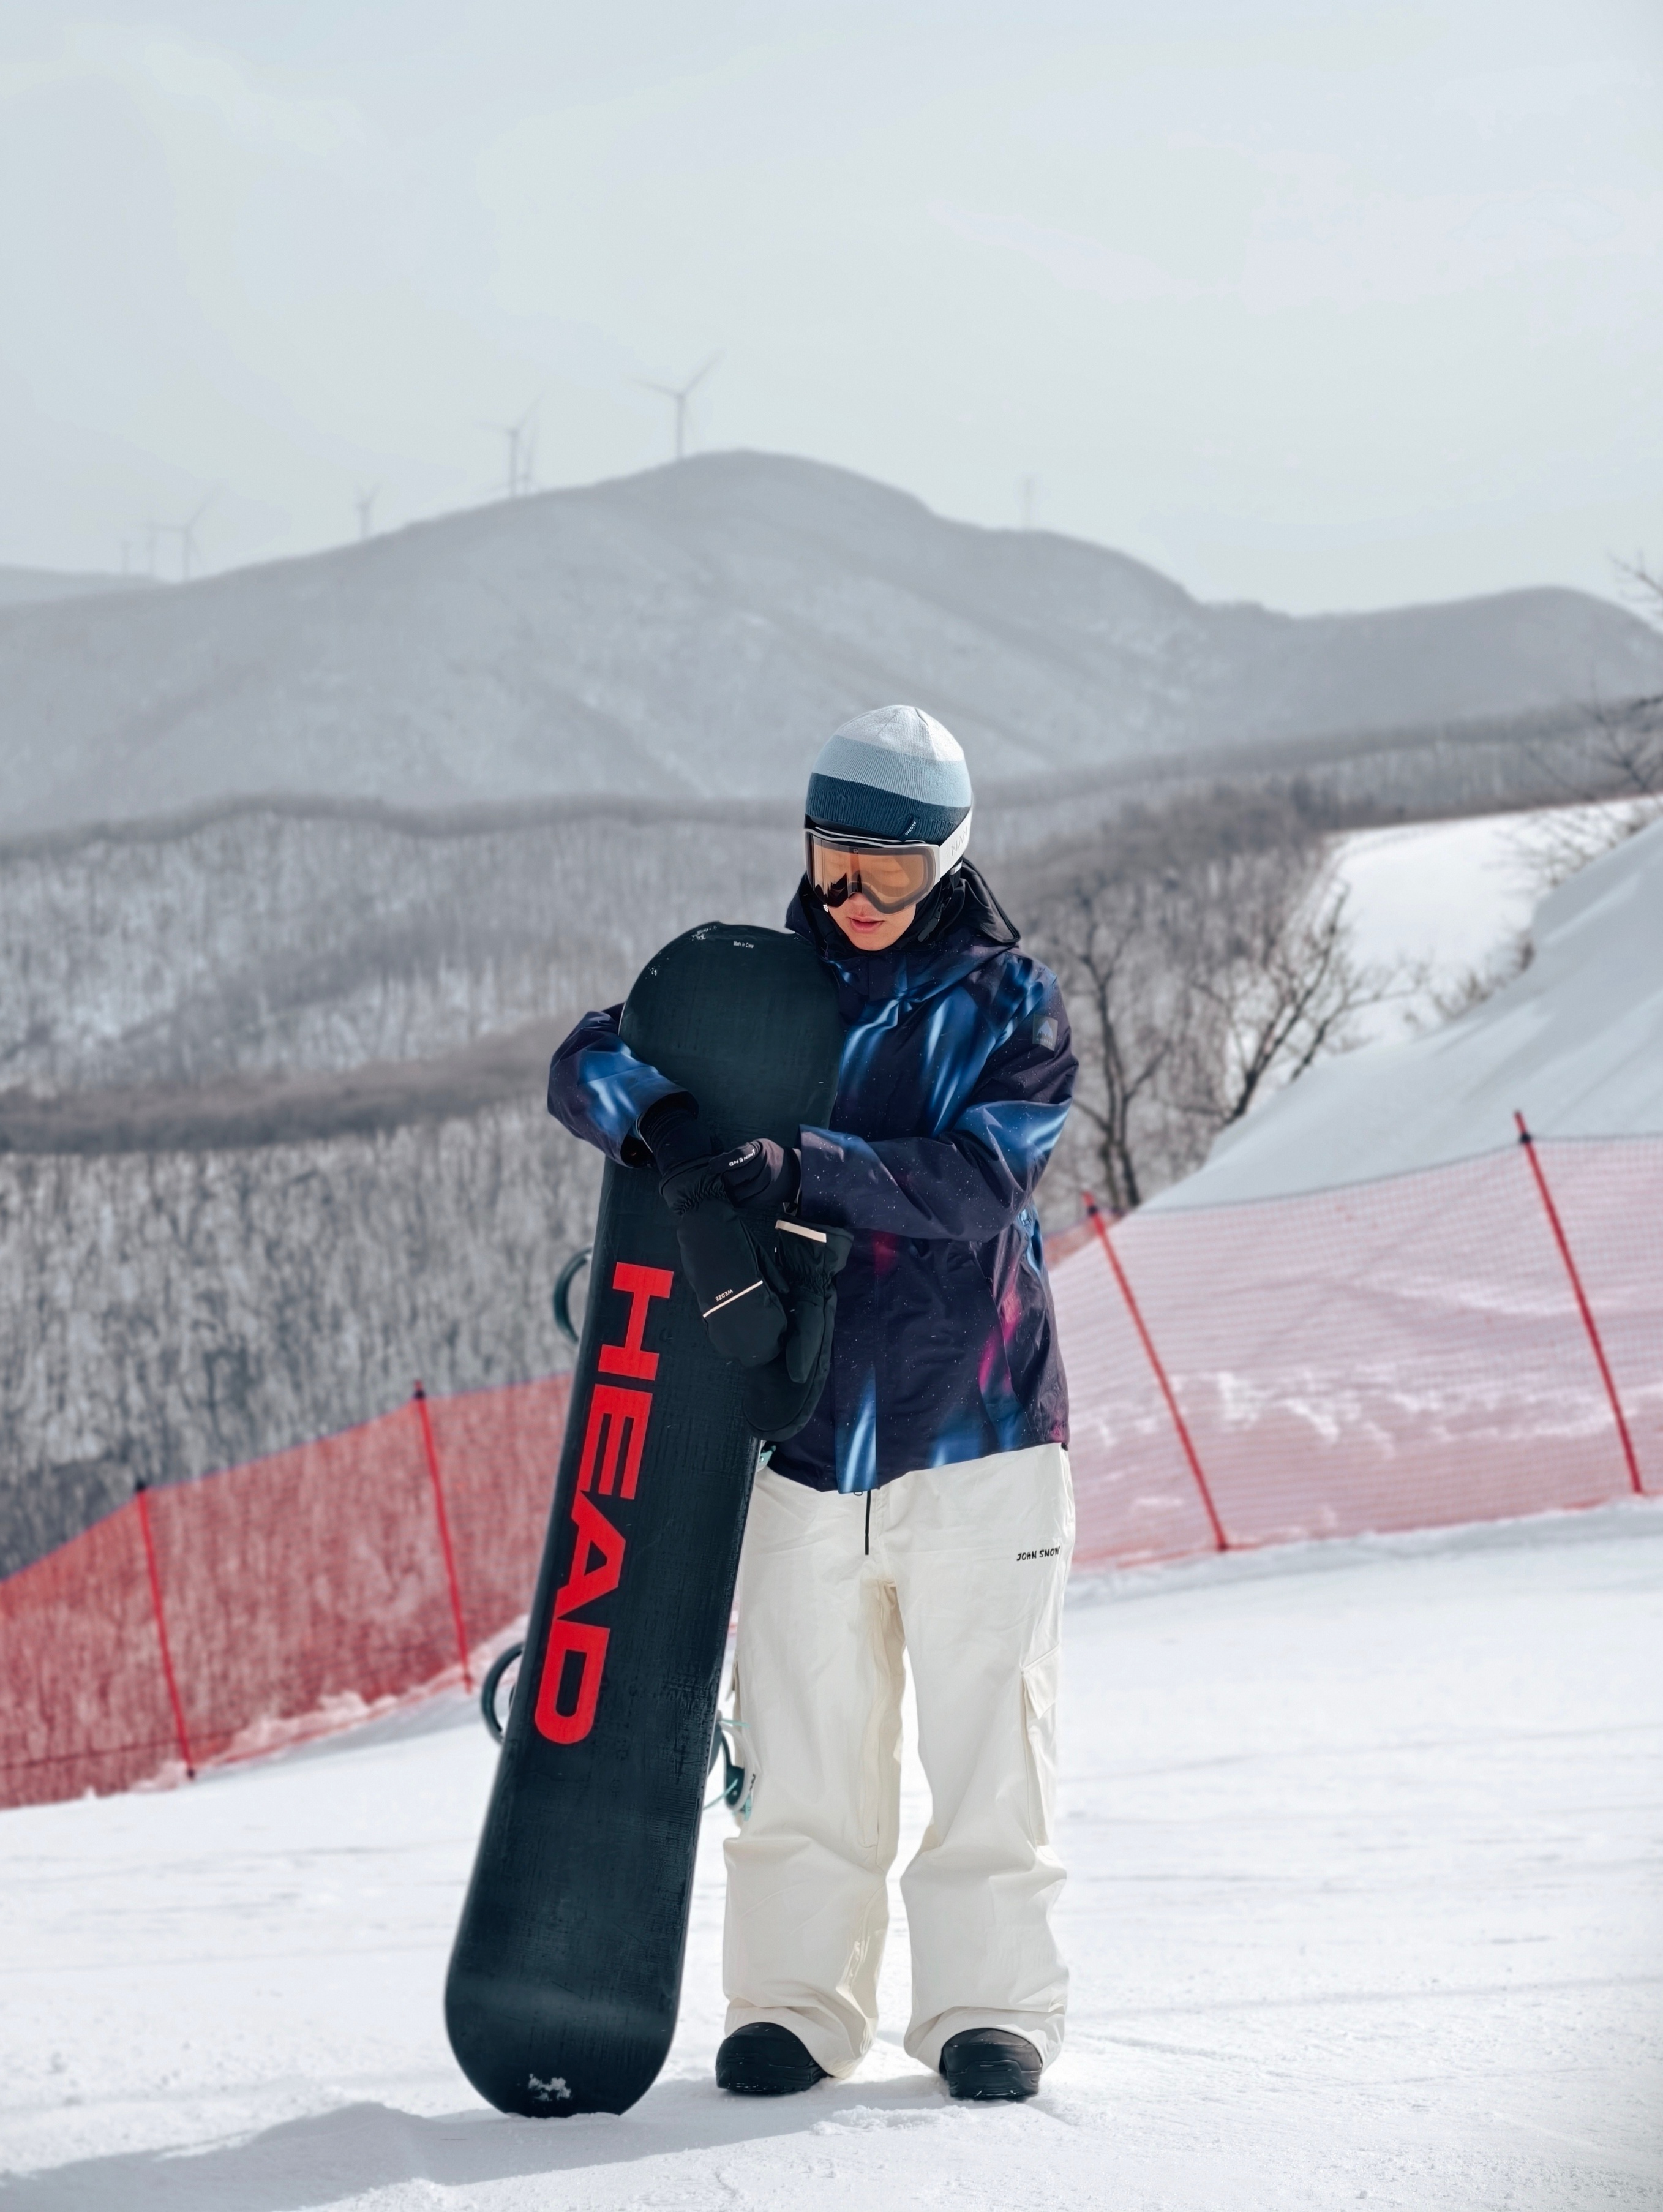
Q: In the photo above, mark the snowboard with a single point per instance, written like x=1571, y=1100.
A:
x=566, y=1969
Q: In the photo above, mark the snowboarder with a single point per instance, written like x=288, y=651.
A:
x=925, y=1505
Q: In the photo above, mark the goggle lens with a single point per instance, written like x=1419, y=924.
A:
x=886, y=880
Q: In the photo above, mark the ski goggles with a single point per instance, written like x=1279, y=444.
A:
x=889, y=875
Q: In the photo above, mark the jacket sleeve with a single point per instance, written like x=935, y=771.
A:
x=599, y=1091
x=974, y=1179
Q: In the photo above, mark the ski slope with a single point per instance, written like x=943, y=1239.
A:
x=1366, y=1905
x=1443, y=899
x=1575, y=1043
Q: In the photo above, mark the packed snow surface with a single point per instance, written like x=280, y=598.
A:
x=1366, y=1846
x=1574, y=1043
x=1436, y=902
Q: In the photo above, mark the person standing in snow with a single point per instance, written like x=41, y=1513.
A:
x=925, y=1505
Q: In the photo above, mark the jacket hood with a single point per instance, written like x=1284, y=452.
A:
x=958, y=927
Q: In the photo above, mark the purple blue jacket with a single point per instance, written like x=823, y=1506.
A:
x=956, y=1078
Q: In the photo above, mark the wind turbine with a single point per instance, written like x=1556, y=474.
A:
x=680, y=393
x=364, y=504
x=187, y=534
x=1030, y=487
x=521, y=440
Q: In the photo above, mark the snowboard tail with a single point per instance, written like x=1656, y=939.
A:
x=565, y=1973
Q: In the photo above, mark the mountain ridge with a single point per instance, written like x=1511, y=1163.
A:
x=695, y=631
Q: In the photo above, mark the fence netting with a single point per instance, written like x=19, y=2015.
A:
x=1409, y=1353
x=289, y=1596
x=1402, y=1354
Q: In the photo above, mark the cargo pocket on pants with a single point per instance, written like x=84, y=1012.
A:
x=1040, y=1681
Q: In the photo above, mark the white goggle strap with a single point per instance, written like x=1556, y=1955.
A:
x=951, y=851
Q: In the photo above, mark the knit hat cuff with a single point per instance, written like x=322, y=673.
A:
x=863, y=810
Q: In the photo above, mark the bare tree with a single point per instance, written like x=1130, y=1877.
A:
x=1104, y=936
x=1274, y=968
x=1621, y=792
x=1448, y=999
x=1206, y=955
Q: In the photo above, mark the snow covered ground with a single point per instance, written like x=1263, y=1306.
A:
x=1367, y=1906
x=1446, y=897
x=1576, y=1043
x=1451, y=898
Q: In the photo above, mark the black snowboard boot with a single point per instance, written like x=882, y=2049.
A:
x=766, y=2060
x=989, y=2063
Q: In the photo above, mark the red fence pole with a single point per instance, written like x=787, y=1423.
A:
x=1154, y=1358
x=1582, y=1305
x=444, y=1535
x=173, y=1697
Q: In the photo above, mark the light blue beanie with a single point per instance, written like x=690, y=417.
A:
x=893, y=773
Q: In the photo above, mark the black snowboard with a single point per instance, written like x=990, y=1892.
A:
x=564, y=1980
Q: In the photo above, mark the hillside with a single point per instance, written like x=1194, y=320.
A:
x=492, y=748
x=28, y=587
x=167, y=1312
x=1575, y=1043
x=695, y=631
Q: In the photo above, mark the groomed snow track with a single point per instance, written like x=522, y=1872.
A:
x=1366, y=1905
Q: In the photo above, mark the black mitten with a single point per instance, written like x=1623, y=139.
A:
x=779, y=1397
x=734, y=1281
x=760, y=1173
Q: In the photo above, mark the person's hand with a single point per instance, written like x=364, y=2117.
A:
x=728, y=1275
x=759, y=1172
x=780, y=1397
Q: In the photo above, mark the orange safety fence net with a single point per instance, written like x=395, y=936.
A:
x=1471, y=1342
x=290, y=1595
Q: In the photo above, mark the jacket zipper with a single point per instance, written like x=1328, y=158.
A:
x=869, y=1524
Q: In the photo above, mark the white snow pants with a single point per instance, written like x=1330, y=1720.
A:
x=964, y=1566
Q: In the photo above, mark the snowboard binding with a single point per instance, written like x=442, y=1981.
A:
x=738, y=1776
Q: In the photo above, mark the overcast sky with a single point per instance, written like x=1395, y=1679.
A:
x=1326, y=305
